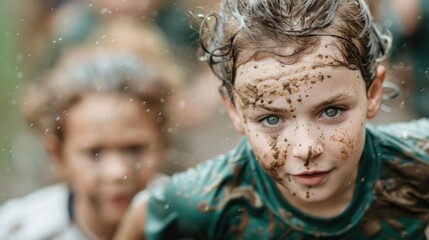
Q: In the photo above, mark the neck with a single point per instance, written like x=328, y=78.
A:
x=91, y=225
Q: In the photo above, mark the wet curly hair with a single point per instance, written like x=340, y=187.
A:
x=243, y=29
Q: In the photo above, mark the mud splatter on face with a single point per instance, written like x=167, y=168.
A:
x=307, y=193
x=274, y=161
x=286, y=86
x=248, y=95
x=345, y=143
x=309, y=155
x=273, y=145
x=273, y=167
x=297, y=94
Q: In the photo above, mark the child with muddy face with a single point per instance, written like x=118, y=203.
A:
x=300, y=79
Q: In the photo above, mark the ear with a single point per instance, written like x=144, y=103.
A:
x=233, y=114
x=375, y=93
x=52, y=146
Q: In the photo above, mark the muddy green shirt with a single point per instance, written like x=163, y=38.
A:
x=231, y=197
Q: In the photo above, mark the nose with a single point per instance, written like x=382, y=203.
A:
x=306, y=146
x=115, y=168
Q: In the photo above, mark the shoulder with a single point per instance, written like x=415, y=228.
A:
x=402, y=185
x=410, y=138
x=36, y=215
x=158, y=181
x=189, y=184
x=193, y=193
x=214, y=173
x=417, y=129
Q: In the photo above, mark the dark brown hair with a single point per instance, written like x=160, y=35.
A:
x=255, y=26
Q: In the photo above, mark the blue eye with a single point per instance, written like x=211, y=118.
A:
x=271, y=120
x=332, y=112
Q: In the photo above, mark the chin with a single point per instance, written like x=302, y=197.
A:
x=114, y=215
x=312, y=194
x=114, y=218
x=311, y=197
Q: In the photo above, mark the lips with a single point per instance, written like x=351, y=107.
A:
x=119, y=199
x=311, y=178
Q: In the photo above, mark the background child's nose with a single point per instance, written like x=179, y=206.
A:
x=115, y=167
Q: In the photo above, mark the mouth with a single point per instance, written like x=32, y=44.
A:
x=311, y=178
x=119, y=199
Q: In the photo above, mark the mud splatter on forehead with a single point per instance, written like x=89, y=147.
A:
x=261, y=72
x=269, y=83
x=261, y=89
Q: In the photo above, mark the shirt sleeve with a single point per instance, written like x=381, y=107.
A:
x=417, y=129
x=173, y=210
x=413, y=133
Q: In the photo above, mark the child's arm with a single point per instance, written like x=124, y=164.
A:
x=132, y=225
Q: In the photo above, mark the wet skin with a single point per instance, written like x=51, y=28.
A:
x=111, y=148
x=306, y=125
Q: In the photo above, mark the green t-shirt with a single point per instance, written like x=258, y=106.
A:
x=231, y=197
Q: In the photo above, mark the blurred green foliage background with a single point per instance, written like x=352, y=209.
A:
x=20, y=161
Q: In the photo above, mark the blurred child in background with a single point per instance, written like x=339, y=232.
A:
x=100, y=114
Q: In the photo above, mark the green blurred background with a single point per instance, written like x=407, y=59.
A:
x=22, y=164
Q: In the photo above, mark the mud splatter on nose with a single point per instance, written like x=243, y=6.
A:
x=307, y=161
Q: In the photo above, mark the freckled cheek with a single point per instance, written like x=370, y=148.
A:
x=269, y=164
x=259, y=147
x=359, y=142
x=348, y=146
x=262, y=151
x=272, y=159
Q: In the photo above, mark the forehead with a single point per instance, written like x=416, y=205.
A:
x=274, y=66
x=315, y=74
x=306, y=64
x=100, y=115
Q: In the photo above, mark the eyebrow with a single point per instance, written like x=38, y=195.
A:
x=267, y=108
x=326, y=102
x=336, y=98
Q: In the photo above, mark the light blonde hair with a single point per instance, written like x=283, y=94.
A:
x=99, y=70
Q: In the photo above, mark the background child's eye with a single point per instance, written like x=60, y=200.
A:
x=94, y=152
x=134, y=150
x=332, y=112
x=271, y=120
